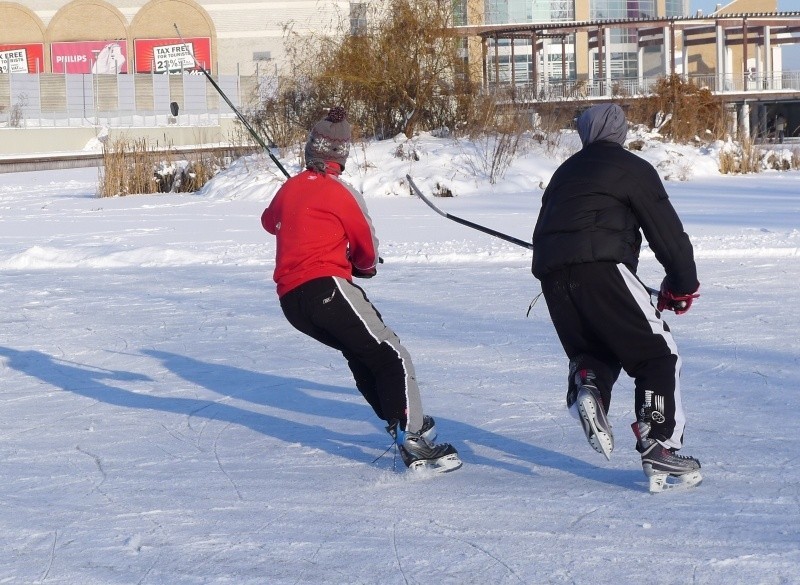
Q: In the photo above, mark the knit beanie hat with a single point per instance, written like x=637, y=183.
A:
x=329, y=140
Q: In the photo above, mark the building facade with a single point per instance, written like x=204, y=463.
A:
x=247, y=37
x=573, y=55
x=241, y=37
x=553, y=41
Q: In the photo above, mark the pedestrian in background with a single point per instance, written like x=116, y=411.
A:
x=780, y=127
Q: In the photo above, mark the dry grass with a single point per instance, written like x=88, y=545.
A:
x=133, y=166
x=128, y=168
x=742, y=158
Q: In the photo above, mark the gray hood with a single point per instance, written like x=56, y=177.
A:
x=603, y=122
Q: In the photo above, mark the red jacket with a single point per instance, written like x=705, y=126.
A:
x=322, y=228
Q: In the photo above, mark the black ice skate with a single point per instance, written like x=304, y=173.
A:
x=588, y=408
x=428, y=430
x=419, y=453
x=664, y=468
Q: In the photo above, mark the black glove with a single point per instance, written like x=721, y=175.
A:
x=674, y=302
x=369, y=273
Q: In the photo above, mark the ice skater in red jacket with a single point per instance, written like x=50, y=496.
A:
x=325, y=238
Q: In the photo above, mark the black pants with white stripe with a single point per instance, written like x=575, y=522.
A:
x=338, y=313
x=606, y=322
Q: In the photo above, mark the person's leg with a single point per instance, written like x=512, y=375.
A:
x=378, y=348
x=298, y=306
x=340, y=315
x=584, y=349
x=592, y=369
x=624, y=318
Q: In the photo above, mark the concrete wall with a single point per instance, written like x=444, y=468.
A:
x=31, y=141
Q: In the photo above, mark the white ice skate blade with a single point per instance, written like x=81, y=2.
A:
x=600, y=440
x=664, y=482
x=441, y=465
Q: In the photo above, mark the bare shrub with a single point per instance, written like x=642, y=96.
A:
x=128, y=168
x=16, y=113
x=751, y=157
x=132, y=166
x=549, y=122
x=497, y=150
x=636, y=145
x=777, y=161
x=498, y=136
x=397, y=74
x=684, y=111
x=281, y=115
x=727, y=163
x=442, y=191
x=740, y=158
x=406, y=151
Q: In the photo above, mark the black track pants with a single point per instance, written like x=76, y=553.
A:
x=605, y=320
x=338, y=313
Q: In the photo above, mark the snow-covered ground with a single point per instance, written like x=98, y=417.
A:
x=163, y=424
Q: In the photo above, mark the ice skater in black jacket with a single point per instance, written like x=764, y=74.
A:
x=585, y=253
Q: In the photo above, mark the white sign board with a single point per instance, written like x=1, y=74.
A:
x=14, y=61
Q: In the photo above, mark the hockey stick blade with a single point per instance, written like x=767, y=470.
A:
x=465, y=222
x=233, y=108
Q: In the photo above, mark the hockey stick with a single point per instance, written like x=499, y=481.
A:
x=465, y=222
x=484, y=229
x=239, y=115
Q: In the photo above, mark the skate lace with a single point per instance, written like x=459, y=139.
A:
x=394, y=455
x=674, y=453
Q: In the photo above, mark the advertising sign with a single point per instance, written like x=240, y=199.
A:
x=22, y=58
x=171, y=55
x=89, y=57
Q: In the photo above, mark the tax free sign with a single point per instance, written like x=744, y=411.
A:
x=171, y=55
x=21, y=58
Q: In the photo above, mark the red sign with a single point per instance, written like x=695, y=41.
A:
x=172, y=55
x=22, y=58
x=89, y=57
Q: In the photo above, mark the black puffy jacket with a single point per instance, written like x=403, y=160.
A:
x=595, y=208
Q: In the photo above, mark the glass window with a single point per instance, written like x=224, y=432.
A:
x=601, y=9
x=496, y=12
x=677, y=8
x=507, y=11
x=623, y=65
x=460, y=13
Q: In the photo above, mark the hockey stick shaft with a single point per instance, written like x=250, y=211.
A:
x=484, y=229
x=466, y=222
x=235, y=110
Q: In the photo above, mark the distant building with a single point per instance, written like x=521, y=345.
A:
x=548, y=41
x=227, y=37
x=247, y=36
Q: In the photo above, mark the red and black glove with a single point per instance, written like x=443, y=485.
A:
x=673, y=302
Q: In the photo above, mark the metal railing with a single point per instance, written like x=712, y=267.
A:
x=76, y=100
x=558, y=90
x=58, y=100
